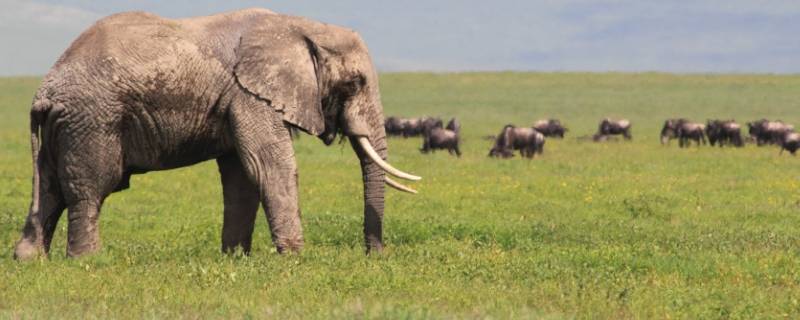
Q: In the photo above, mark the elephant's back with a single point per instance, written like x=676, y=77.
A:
x=128, y=55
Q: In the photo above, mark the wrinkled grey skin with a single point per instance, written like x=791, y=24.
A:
x=790, y=141
x=445, y=139
x=527, y=140
x=610, y=127
x=550, y=128
x=137, y=93
x=722, y=132
x=768, y=132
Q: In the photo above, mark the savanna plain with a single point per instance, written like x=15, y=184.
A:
x=588, y=230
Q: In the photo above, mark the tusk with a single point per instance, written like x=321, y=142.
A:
x=364, y=142
x=398, y=186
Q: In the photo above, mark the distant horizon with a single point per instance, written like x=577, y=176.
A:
x=456, y=36
x=576, y=72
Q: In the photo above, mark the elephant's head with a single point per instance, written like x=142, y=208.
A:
x=322, y=79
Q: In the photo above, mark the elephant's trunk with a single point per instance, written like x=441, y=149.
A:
x=363, y=123
x=374, y=178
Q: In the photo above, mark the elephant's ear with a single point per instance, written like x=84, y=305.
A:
x=279, y=65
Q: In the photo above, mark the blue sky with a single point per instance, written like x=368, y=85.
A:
x=462, y=35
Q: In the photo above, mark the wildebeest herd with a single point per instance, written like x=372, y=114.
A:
x=530, y=140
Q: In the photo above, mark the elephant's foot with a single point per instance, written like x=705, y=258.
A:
x=27, y=250
x=83, y=249
x=289, y=245
x=375, y=248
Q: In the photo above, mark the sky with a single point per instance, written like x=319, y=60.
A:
x=680, y=36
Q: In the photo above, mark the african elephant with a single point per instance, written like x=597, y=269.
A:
x=609, y=127
x=527, y=140
x=768, y=132
x=439, y=138
x=136, y=93
x=550, y=128
x=724, y=131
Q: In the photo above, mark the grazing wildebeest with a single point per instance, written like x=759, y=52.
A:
x=678, y=128
x=550, y=128
x=443, y=138
x=417, y=126
x=723, y=132
x=670, y=130
x=527, y=140
x=609, y=127
x=410, y=127
x=768, y=132
x=394, y=126
x=790, y=141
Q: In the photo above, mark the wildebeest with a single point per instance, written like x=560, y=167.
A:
x=550, y=128
x=443, y=138
x=768, y=132
x=721, y=132
x=683, y=130
x=670, y=130
x=410, y=127
x=418, y=126
x=790, y=141
x=394, y=126
x=610, y=127
x=527, y=140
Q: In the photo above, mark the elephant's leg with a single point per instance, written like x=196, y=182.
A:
x=89, y=170
x=241, y=204
x=265, y=148
x=41, y=224
x=83, y=236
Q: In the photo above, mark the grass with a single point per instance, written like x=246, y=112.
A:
x=613, y=230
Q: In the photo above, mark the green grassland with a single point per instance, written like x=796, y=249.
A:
x=611, y=230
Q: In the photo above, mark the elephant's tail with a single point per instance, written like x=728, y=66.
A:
x=38, y=112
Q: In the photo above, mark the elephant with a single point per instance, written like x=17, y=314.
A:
x=722, y=132
x=443, y=138
x=609, y=127
x=527, y=140
x=136, y=93
x=683, y=130
x=790, y=141
x=550, y=128
x=768, y=132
